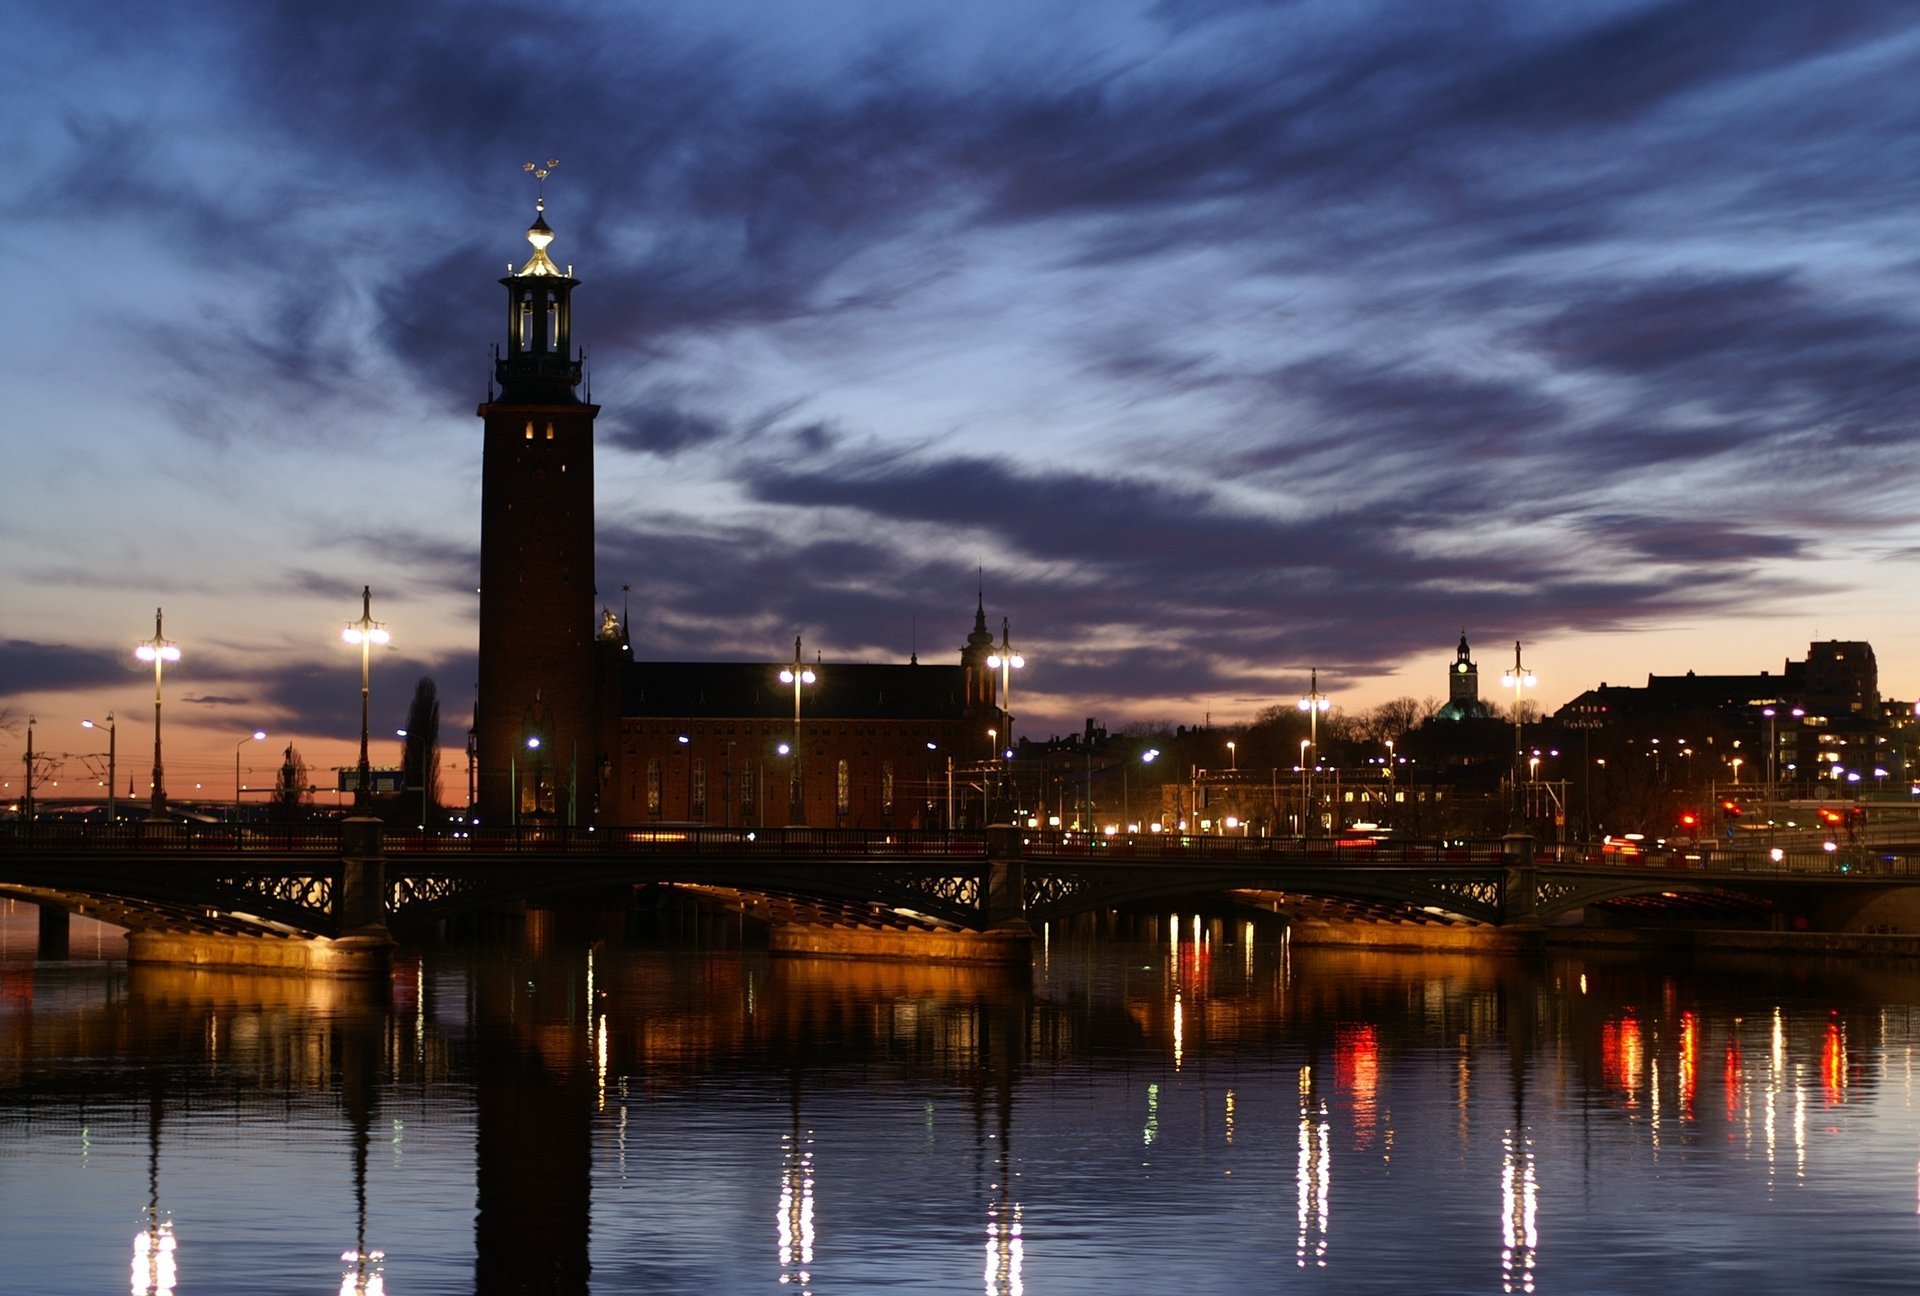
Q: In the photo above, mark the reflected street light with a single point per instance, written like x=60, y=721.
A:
x=798, y=675
x=112, y=768
x=1519, y=679
x=258, y=735
x=366, y=632
x=158, y=650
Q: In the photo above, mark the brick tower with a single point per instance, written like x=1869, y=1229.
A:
x=534, y=720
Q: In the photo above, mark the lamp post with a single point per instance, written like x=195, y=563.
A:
x=513, y=774
x=1005, y=660
x=159, y=651
x=1314, y=704
x=1233, y=758
x=112, y=766
x=258, y=735
x=366, y=632
x=1304, y=744
x=1519, y=679
x=799, y=675
x=1126, y=814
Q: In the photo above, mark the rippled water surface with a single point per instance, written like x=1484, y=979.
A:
x=1169, y=1104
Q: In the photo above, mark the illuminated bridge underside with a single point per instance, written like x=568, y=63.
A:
x=1361, y=893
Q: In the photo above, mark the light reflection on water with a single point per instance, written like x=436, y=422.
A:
x=1178, y=1102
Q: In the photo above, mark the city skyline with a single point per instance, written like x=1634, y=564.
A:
x=1218, y=342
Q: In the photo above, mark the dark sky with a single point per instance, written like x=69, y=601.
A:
x=1222, y=340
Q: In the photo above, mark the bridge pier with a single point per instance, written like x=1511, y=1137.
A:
x=1520, y=890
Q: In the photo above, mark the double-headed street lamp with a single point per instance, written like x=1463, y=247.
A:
x=366, y=632
x=1519, y=679
x=158, y=650
x=258, y=735
x=1005, y=660
x=1315, y=704
x=112, y=763
x=799, y=675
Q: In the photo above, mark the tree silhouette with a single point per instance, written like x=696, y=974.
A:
x=420, y=752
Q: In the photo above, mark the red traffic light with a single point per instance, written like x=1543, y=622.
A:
x=1732, y=809
x=1829, y=816
x=1688, y=818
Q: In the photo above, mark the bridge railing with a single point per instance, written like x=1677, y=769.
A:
x=183, y=837
x=1314, y=850
x=690, y=839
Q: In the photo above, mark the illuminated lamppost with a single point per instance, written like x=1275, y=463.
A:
x=1233, y=758
x=798, y=675
x=258, y=735
x=159, y=651
x=1126, y=815
x=1773, y=752
x=1314, y=704
x=1519, y=679
x=513, y=775
x=1304, y=744
x=366, y=632
x=1006, y=661
x=112, y=763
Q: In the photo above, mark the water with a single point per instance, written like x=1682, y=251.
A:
x=1172, y=1105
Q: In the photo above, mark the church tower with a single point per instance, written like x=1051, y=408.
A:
x=534, y=719
x=1463, y=681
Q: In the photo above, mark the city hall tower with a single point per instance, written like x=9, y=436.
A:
x=535, y=723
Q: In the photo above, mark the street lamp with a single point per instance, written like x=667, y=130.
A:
x=158, y=650
x=1006, y=661
x=513, y=774
x=798, y=675
x=1304, y=744
x=1233, y=758
x=366, y=632
x=1519, y=679
x=1314, y=704
x=258, y=735
x=1126, y=816
x=112, y=770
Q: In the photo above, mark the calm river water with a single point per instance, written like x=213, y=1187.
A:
x=1171, y=1104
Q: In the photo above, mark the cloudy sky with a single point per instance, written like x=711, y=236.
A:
x=1223, y=339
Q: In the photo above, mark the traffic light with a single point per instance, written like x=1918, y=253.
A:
x=1689, y=820
x=1731, y=809
x=1829, y=816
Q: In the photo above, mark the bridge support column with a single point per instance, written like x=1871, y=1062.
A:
x=361, y=904
x=1519, y=893
x=1004, y=906
x=53, y=933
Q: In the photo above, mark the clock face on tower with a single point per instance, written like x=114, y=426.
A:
x=1462, y=668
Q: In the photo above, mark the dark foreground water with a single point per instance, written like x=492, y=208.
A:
x=1171, y=1105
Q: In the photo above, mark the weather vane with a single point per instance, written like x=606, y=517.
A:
x=540, y=174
